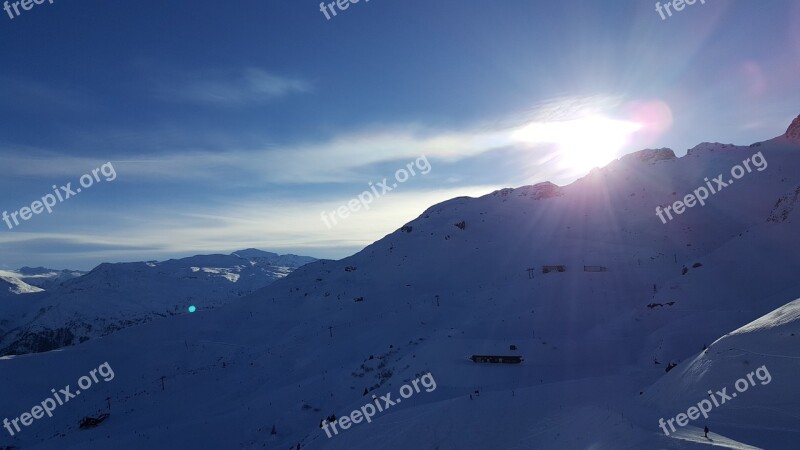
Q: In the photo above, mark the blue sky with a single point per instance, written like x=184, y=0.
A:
x=233, y=125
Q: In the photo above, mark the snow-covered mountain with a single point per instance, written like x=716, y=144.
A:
x=585, y=282
x=274, y=259
x=114, y=296
x=10, y=285
x=46, y=278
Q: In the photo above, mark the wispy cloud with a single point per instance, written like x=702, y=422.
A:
x=229, y=87
x=340, y=159
x=346, y=157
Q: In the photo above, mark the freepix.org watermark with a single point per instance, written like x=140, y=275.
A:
x=50, y=404
x=342, y=4
x=701, y=194
x=368, y=411
x=367, y=197
x=705, y=406
x=677, y=5
x=26, y=5
x=64, y=192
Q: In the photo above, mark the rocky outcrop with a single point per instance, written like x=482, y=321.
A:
x=650, y=155
x=793, y=132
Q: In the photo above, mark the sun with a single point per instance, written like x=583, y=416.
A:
x=583, y=143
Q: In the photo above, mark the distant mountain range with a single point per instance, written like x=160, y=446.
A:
x=43, y=277
x=43, y=309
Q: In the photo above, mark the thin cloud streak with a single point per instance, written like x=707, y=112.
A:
x=343, y=158
x=230, y=88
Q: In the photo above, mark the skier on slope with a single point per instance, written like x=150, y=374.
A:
x=706, y=430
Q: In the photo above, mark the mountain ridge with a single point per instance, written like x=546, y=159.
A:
x=113, y=296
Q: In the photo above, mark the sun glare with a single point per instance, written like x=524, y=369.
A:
x=582, y=143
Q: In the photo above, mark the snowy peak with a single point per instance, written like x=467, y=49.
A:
x=45, y=278
x=793, y=132
x=288, y=260
x=10, y=285
x=650, y=155
x=536, y=192
x=254, y=253
x=706, y=148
